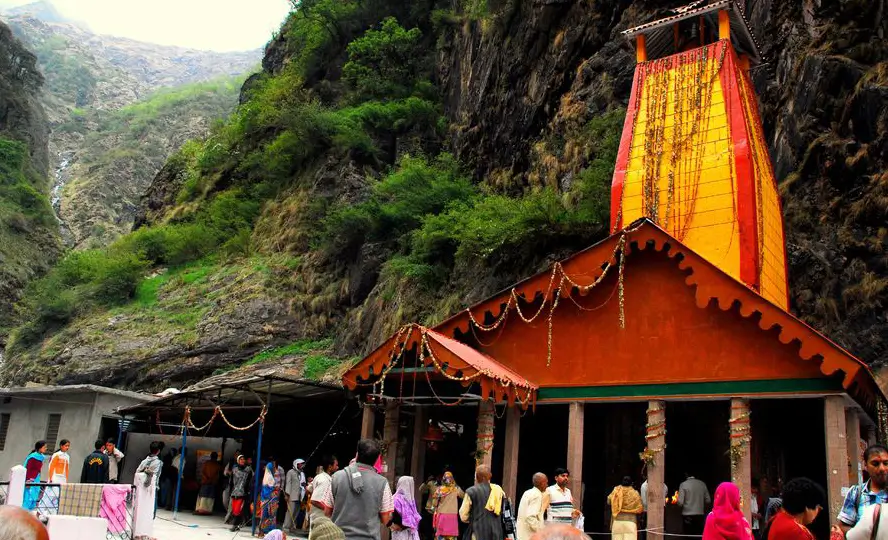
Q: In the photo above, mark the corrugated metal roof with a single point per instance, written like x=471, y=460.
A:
x=659, y=37
x=72, y=389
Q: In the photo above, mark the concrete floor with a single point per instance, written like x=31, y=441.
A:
x=190, y=527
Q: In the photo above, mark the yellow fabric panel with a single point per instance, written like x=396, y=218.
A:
x=682, y=109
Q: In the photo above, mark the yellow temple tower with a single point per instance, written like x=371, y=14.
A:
x=692, y=156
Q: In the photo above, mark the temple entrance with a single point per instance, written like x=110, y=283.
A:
x=697, y=443
x=788, y=441
x=543, y=444
x=614, y=436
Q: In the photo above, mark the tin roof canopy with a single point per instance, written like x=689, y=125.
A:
x=659, y=38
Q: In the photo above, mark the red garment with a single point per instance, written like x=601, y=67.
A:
x=783, y=527
x=237, y=506
x=726, y=521
x=33, y=468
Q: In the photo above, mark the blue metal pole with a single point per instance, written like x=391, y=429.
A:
x=258, y=476
x=181, y=470
x=119, y=432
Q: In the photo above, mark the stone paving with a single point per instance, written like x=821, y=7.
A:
x=191, y=527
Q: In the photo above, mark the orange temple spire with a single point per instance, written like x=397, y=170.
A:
x=692, y=156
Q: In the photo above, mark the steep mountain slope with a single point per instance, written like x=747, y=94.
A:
x=381, y=171
x=121, y=151
x=28, y=231
x=98, y=161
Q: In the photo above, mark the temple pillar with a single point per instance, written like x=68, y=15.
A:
x=724, y=25
x=575, y=422
x=484, y=445
x=656, y=471
x=390, y=438
x=510, y=458
x=368, y=421
x=836, y=453
x=641, y=54
x=852, y=439
x=418, y=453
x=741, y=461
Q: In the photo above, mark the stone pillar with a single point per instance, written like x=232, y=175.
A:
x=390, y=436
x=656, y=472
x=368, y=421
x=16, y=494
x=417, y=455
x=575, y=449
x=741, y=462
x=510, y=460
x=484, y=443
x=852, y=439
x=836, y=453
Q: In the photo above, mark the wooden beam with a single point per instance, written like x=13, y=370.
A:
x=656, y=473
x=390, y=436
x=641, y=54
x=418, y=453
x=836, y=453
x=852, y=439
x=368, y=421
x=575, y=422
x=724, y=25
x=510, y=451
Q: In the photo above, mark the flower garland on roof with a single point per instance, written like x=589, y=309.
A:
x=558, y=280
x=427, y=356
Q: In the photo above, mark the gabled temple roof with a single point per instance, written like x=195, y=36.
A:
x=658, y=33
x=709, y=283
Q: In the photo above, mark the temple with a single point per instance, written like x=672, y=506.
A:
x=664, y=350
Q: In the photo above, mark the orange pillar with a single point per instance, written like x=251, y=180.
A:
x=641, y=54
x=741, y=462
x=744, y=62
x=724, y=25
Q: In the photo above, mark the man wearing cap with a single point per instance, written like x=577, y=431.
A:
x=294, y=491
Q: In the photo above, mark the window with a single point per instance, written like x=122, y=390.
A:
x=52, y=432
x=4, y=429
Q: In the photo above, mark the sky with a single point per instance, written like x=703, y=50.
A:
x=219, y=25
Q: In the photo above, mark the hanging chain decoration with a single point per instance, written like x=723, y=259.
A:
x=654, y=430
x=740, y=436
x=218, y=412
x=559, y=279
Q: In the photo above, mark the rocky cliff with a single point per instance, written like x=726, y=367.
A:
x=521, y=101
x=101, y=165
x=28, y=231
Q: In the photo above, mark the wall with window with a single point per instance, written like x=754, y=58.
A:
x=35, y=417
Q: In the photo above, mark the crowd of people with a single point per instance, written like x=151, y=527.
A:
x=356, y=501
x=101, y=466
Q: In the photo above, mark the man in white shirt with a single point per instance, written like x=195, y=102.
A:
x=532, y=507
x=561, y=504
x=694, y=499
x=644, y=494
x=115, y=456
x=320, y=486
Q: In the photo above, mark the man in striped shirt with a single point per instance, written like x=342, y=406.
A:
x=561, y=504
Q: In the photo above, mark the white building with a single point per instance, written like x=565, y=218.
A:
x=79, y=413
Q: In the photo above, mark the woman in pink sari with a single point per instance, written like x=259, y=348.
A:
x=726, y=521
